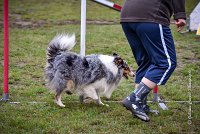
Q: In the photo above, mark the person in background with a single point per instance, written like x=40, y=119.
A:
x=146, y=27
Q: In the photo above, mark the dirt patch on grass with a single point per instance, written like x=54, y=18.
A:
x=16, y=21
x=43, y=23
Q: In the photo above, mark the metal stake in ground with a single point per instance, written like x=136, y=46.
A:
x=157, y=99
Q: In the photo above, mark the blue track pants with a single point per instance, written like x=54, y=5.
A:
x=153, y=48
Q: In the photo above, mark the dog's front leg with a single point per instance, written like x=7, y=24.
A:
x=100, y=102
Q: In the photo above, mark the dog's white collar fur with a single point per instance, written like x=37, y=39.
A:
x=108, y=62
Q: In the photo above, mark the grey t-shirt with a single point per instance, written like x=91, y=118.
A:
x=158, y=11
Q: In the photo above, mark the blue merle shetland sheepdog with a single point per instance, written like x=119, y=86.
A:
x=91, y=76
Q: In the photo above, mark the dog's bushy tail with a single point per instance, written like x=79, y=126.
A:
x=60, y=43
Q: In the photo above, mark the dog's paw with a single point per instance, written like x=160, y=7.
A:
x=101, y=103
x=60, y=104
x=106, y=105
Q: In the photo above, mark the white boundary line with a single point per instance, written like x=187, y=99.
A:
x=34, y=102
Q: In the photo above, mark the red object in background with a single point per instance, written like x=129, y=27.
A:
x=155, y=90
x=117, y=7
x=6, y=48
x=109, y=4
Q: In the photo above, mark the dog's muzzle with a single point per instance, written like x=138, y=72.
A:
x=129, y=73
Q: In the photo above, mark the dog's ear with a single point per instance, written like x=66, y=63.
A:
x=115, y=54
x=85, y=63
x=118, y=61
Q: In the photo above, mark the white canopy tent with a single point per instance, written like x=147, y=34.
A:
x=194, y=18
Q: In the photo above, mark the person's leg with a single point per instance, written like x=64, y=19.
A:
x=161, y=50
x=138, y=50
x=143, y=62
x=140, y=55
x=158, y=43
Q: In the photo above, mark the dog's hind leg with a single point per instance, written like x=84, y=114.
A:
x=69, y=87
x=91, y=92
x=58, y=100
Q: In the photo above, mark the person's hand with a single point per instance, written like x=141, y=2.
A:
x=180, y=23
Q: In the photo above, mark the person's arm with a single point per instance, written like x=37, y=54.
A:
x=179, y=13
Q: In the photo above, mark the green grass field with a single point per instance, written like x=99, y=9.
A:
x=33, y=23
